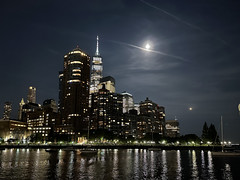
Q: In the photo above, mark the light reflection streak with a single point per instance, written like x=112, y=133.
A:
x=203, y=165
x=210, y=166
x=136, y=162
x=164, y=165
x=179, y=167
x=227, y=174
x=152, y=160
x=115, y=171
x=194, y=166
x=70, y=165
x=145, y=162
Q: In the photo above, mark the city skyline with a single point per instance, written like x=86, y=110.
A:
x=193, y=60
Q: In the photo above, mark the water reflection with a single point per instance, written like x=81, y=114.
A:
x=179, y=168
x=194, y=166
x=227, y=172
x=115, y=164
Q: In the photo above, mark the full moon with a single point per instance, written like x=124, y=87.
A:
x=190, y=108
x=147, y=46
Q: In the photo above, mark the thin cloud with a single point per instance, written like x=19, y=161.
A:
x=185, y=22
x=153, y=51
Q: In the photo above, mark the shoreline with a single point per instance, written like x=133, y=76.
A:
x=62, y=146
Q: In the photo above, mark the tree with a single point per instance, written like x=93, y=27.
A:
x=205, y=135
x=212, y=134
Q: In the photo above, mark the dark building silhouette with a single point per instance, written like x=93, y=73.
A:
x=74, y=83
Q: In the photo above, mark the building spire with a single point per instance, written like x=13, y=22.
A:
x=97, y=50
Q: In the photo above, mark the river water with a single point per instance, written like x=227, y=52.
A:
x=116, y=164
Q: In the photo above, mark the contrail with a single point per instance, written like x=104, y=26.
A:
x=185, y=22
x=149, y=50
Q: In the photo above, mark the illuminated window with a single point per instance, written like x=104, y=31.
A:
x=76, y=62
x=76, y=74
x=76, y=70
x=71, y=81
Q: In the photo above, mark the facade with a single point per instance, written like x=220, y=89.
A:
x=130, y=124
x=31, y=98
x=109, y=83
x=106, y=111
x=128, y=103
x=13, y=130
x=142, y=126
x=29, y=107
x=74, y=82
x=172, y=128
x=155, y=123
x=96, y=70
x=41, y=123
x=7, y=110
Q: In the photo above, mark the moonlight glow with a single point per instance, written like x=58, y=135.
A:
x=147, y=47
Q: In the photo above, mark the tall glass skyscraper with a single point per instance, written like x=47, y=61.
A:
x=96, y=70
x=74, y=83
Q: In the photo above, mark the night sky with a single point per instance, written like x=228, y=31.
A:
x=194, y=60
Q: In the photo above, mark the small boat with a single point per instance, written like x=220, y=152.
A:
x=154, y=149
x=88, y=151
x=51, y=150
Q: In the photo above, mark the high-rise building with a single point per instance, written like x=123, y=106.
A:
x=7, y=110
x=96, y=70
x=106, y=111
x=128, y=103
x=74, y=83
x=108, y=82
x=156, y=117
x=31, y=98
x=20, y=111
x=131, y=119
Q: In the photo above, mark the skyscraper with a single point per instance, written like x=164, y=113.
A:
x=7, y=110
x=106, y=110
x=31, y=98
x=96, y=70
x=74, y=83
x=156, y=116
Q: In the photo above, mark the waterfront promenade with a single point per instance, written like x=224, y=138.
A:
x=115, y=146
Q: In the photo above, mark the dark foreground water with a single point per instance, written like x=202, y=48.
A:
x=116, y=164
